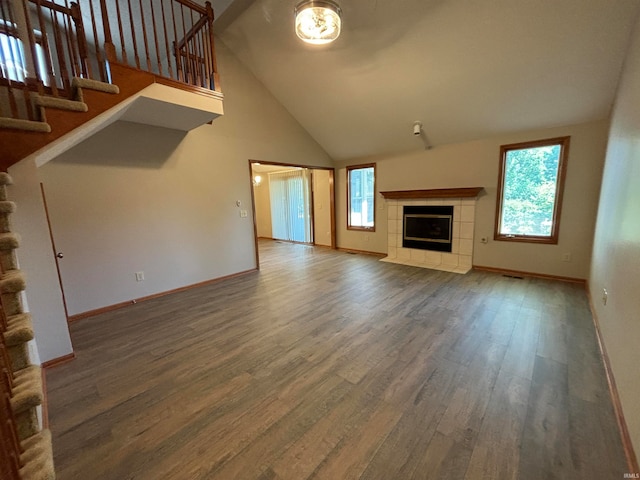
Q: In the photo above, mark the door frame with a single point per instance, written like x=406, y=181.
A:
x=332, y=199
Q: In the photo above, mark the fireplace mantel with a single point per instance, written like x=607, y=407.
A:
x=469, y=192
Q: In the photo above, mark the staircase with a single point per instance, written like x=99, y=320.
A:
x=68, y=63
x=56, y=117
x=64, y=63
x=25, y=449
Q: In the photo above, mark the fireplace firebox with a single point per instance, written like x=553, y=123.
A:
x=427, y=227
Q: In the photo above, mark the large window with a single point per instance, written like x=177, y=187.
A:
x=361, y=188
x=12, y=56
x=530, y=190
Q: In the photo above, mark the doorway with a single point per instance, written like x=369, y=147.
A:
x=293, y=203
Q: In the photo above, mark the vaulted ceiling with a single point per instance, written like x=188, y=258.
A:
x=467, y=69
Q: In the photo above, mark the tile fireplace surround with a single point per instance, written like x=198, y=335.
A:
x=463, y=200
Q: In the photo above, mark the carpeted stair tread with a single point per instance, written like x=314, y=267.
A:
x=94, y=85
x=25, y=125
x=12, y=282
x=37, y=457
x=9, y=241
x=60, y=103
x=27, y=389
x=7, y=206
x=19, y=356
x=19, y=330
x=5, y=179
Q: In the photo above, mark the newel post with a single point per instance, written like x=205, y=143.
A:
x=81, y=39
x=213, y=66
x=109, y=47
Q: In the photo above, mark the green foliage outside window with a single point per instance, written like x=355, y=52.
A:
x=530, y=181
x=530, y=190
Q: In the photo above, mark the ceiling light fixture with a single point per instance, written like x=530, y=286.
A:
x=318, y=21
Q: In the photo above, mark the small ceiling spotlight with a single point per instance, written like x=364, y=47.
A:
x=419, y=132
x=318, y=21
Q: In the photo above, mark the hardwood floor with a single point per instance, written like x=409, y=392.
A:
x=329, y=365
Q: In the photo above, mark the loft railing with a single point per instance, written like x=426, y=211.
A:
x=170, y=38
x=45, y=43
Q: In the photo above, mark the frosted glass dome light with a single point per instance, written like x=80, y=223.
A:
x=318, y=22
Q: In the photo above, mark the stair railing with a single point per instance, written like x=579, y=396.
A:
x=169, y=38
x=42, y=47
x=45, y=43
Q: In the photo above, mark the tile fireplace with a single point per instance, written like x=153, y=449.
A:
x=432, y=228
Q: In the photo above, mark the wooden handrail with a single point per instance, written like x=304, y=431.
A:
x=193, y=6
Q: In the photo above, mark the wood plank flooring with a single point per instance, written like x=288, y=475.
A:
x=329, y=365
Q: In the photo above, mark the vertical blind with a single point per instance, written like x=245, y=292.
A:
x=290, y=205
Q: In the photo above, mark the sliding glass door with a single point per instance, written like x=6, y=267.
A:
x=290, y=205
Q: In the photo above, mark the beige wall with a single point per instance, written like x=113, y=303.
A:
x=616, y=252
x=139, y=198
x=262, y=197
x=44, y=298
x=322, y=207
x=476, y=163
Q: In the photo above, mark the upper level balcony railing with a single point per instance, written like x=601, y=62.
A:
x=44, y=44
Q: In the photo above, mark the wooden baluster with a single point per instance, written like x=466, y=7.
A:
x=27, y=37
x=121, y=31
x=200, y=47
x=193, y=39
x=14, y=442
x=166, y=39
x=109, y=47
x=7, y=373
x=5, y=11
x=51, y=79
x=81, y=38
x=204, y=35
x=133, y=33
x=176, y=47
x=213, y=64
x=5, y=14
x=13, y=105
x=72, y=42
x=3, y=321
x=155, y=36
x=31, y=85
x=144, y=36
x=65, y=78
x=10, y=444
x=101, y=65
x=185, y=43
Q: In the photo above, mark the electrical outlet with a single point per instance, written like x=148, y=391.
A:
x=139, y=276
x=243, y=213
x=605, y=295
x=566, y=257
x=484, y=240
